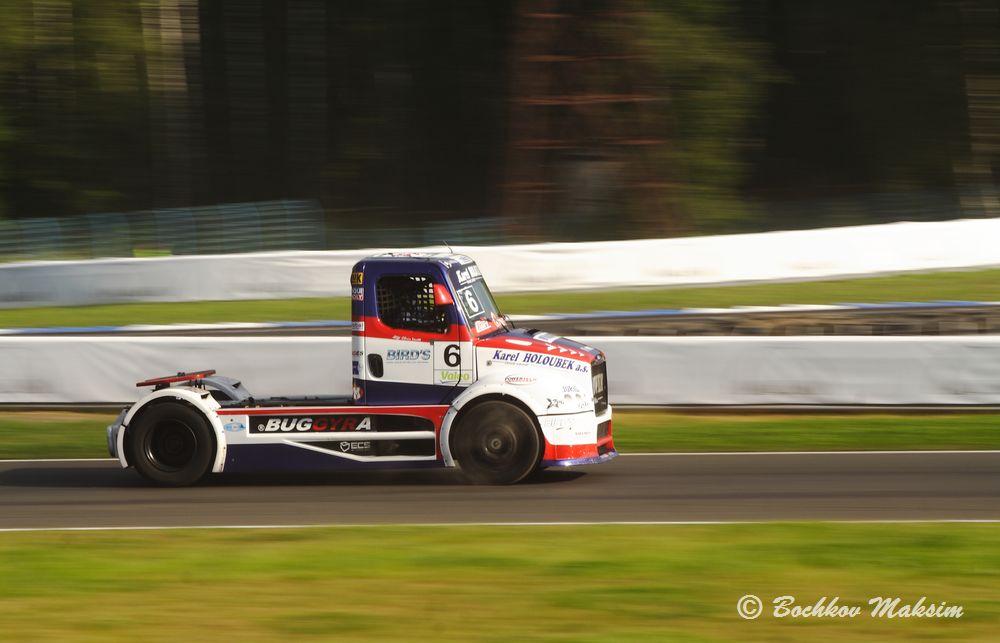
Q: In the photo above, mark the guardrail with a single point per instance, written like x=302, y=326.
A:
x=907, y=371
x=224, y=228
x=888, y=318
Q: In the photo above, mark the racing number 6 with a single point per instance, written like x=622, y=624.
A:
x=452, y=357
x=471, y=301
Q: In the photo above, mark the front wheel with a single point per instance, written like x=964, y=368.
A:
x=496, y=443
x=171, y=445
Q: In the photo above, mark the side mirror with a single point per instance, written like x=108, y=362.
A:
x=441, y=295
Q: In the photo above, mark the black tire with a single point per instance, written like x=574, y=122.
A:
x=496, y=443
x=171, y=444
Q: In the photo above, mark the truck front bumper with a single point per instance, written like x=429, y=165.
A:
x=114, y=431
x=575, y=462
x=569, y=455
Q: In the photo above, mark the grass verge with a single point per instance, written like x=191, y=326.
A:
x=658, y=431
x=53, y=434
x=81, y=435
x=981, y=285
x=592, y=583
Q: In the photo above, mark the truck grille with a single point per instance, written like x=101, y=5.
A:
x=599, y=377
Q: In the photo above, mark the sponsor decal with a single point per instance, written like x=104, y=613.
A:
x=408, y=355
x=357, y=293
x=556, y=422
x=519, y=380
x=404, y=338
x=357, y=278
x=539, y=359
x=465, y=275
x=454, y=377
x=506, y=356
x=305, y=423
x=233, y=426
x=354, y=447
x=358, y=326
x=483, y=325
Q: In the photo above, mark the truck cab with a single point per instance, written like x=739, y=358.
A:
x=440, y=377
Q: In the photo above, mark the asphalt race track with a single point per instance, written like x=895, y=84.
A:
x=632, y=488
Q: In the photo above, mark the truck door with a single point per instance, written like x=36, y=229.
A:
x=412, y=343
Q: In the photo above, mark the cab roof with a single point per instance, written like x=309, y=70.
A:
x=447, y=260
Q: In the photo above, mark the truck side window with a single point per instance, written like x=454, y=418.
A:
x=407, y=302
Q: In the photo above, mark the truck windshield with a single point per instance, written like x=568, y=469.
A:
x=476, y=300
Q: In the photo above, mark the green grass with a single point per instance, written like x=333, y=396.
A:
x=983, y=285
x=658, y=431
x=81, y=435
x=559, y=583
x=980, y=285
x=45, y=434
x=178, y=312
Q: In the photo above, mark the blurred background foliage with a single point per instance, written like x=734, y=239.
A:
x=531, y=119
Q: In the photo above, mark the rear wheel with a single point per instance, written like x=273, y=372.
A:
x=171, y=445
x=496, y=443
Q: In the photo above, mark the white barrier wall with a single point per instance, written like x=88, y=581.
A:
x=60, y=370
x=641, y=370
x=805, y=254
x=803, y=370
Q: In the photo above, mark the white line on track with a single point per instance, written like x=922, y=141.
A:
x=654, y=453
x=62, y=460
x=627, y=523
x=886, y=452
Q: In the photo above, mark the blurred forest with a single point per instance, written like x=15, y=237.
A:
x=565, y=119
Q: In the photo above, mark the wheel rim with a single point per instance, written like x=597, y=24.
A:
x=171, y=445
x=496, y=448
x=496, y=443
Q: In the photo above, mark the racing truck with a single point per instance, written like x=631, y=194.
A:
x=440, y=378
